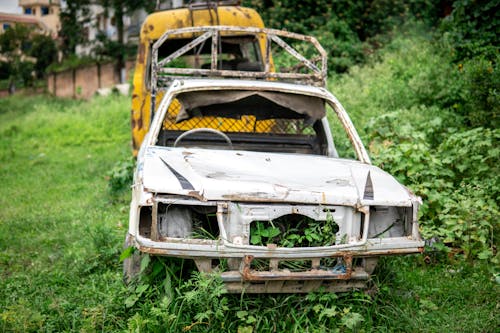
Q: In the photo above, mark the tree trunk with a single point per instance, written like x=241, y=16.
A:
x=120, y=61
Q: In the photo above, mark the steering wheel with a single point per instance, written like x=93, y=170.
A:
x=203, y=129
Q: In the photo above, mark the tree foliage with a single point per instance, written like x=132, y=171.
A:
x=44, y=49
x=117, y=49
x=73, y=18
x=348, y=30
x=26, y=55
x=473, y=28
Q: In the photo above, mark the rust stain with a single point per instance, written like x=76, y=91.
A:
x=197, y=195
x=245, y=13
x=139, y=122
x=142, y=53
x=284, y=275
x=132, y=120
x=151, y=27
x=135, y=146
x=141, y=114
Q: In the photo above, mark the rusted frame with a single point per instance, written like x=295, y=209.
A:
x=206, y=249
x=185, y=48
x=240, y=74
x=160, y=74
x=294, y=53
x=318, y=77
x=313, y=274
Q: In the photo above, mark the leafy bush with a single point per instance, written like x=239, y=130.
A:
x=44, y=49
x=457, y=178
x=479, y=96
x=472, y=28
x=349, y=30
x=418, y=111
x=121, y=176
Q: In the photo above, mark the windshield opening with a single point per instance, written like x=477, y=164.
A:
x=257, y=121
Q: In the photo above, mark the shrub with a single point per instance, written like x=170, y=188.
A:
x=457, y=178
x=121, y=176
x=472, y=29
x=349, y=30
x=480, y=100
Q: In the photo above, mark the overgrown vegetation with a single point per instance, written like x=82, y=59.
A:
x=61, y=232
x=350, y=31
x=416, y=130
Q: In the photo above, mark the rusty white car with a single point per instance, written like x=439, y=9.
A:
x=240, y=172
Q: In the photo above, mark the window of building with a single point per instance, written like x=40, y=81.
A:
x=45, y=11
x=6, y=26
x=27, y=11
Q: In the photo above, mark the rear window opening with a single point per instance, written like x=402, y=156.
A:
x=240, y=53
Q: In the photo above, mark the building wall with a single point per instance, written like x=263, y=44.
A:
x=84, y=82
x=46, y=11
x=8, y=20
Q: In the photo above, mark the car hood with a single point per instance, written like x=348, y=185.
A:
x=234, y=175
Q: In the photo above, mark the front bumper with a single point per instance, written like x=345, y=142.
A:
x=233, y=244
x=205, y=249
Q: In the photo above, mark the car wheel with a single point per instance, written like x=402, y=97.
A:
x=132, y=264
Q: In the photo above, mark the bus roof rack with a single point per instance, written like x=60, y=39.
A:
x=312, y=71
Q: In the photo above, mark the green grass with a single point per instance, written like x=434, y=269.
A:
x=62, y=230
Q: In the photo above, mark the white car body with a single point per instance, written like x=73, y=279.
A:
x=375, y=214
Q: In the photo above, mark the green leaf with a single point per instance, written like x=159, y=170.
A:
x=352, y=319
x=145, y=262
x=127, y=253
x=485, y=254
x=141, y=288
x=245, y=329
x=131, y=300
x=255, y=239
x=329, y=312
x=273, y=232
x=241, y=314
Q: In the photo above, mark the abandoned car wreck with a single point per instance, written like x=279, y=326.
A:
x=244, y=177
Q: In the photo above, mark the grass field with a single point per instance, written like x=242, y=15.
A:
x=61, y=233
x=62, y=230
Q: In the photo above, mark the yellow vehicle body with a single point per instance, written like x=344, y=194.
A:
x=153, y=28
